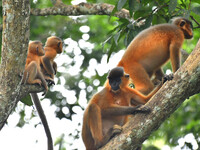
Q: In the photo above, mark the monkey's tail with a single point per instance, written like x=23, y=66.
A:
x=37, y=103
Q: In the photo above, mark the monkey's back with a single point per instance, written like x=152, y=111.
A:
x=152, y=44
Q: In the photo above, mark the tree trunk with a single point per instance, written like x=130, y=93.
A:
x=16, y=28
x=186, y=83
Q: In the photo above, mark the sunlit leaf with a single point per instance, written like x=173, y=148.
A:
x=121, y=4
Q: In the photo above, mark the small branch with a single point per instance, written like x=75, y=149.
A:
x=195, y=22
x=81, y=9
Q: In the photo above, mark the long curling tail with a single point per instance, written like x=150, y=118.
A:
x=38, y=105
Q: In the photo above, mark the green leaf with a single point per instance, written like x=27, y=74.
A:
x=121, y=4
x=27, y=100
x=196, y=10
x=116, y=37
x=112, y=48
x=172, y=5
x=148, y=21
x=131, y=7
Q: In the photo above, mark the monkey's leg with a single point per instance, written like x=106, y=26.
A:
x=140, y=78
x=175, y=57
x=95, y=123
x=41, y=77
x=32, y=73
x=48, y=66
x=158, y=77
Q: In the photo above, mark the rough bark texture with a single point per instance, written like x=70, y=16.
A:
x=80, y=9
x=15, y=40
x=186, y=83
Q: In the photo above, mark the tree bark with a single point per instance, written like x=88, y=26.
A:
x=81, y=9
x=186, y=83
x=15, y=34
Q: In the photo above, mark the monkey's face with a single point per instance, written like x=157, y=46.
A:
x=114, y=77
x=60, y=47
x=186, y=27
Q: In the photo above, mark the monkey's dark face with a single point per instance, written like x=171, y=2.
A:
x=186, y=27
x=115, y=77
x=114, y=83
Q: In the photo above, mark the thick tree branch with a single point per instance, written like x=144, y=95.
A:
x=186, y=83
x=81, y=9
x=16, y=29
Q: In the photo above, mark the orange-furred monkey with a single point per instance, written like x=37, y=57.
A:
x=152, y=48
x=33, y=75
x=108, y=109
x=52, y=47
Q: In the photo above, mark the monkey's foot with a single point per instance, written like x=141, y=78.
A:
x=50, y=81
x=116, y=129
x=167, y=78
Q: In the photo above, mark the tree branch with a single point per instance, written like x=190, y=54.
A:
x=15, y=37
x=81, y=9
x=186, y=83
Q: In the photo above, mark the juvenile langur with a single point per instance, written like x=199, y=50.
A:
x=152, y=48
x=108, y=110
x=33, y=75
x=52, y=47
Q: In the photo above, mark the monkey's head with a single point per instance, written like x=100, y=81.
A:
x=117, y=78
x=55, y=42
x=185, y=25
x=35, y=47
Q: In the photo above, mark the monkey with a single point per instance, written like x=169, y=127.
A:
x=109, y=109
x=151, y=49
x=53, y=46
x=33, y=75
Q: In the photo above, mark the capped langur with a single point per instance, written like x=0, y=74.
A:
x=152, y=48
x=53, y=46
x=33, y=75
x=109, y=109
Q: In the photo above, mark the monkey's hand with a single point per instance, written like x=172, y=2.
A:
x=167, y=78
x=142, y=109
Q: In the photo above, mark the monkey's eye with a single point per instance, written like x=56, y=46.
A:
x=182, y=23
x=126, y=75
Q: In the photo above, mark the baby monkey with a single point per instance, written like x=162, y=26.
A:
x=52, y=47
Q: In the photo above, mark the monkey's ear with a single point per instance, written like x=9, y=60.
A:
x=182, y=23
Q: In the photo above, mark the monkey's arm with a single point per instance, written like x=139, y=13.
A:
x=116, y=110
x=43, y=119
x=55, y=67
x=47, y=65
